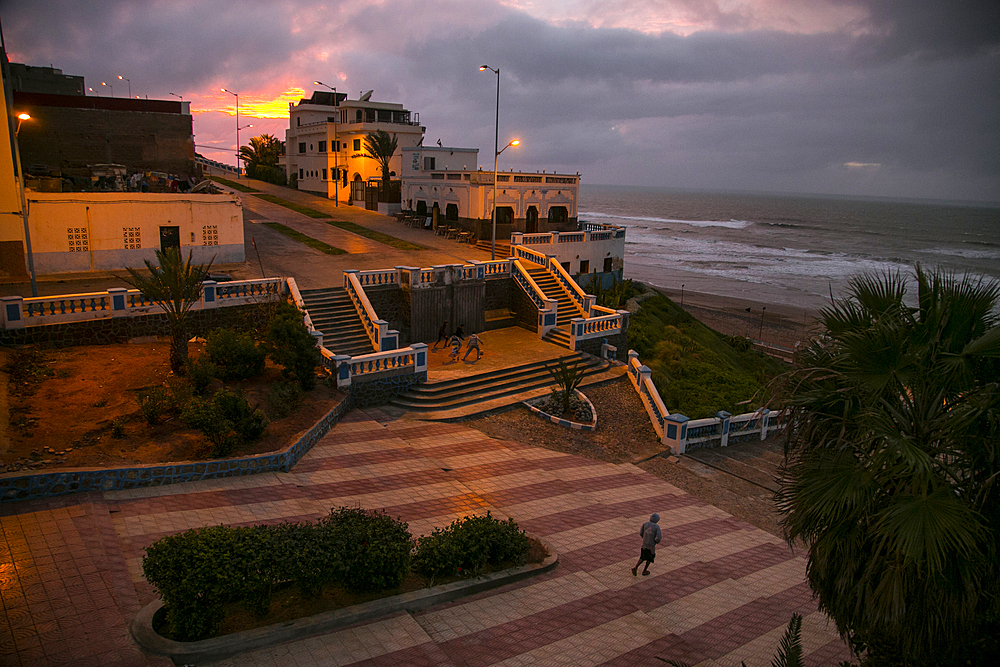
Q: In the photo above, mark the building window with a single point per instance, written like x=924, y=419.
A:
x=358, y=117
x=310, y=147
x=322, y=147
x=210, y=235
x=300, y=173
x=324, y=174
x=79, y=241
x=132, y=238
x=607, y=265
x=302, y=147
x=565, y=266
x=428, y=164
x=357, y=143
x=584, y=266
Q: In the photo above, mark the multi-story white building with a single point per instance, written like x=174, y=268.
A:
x=325, y=138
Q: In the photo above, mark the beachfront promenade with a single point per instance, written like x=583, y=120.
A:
x=721, y=591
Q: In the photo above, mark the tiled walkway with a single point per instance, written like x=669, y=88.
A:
x=721, y=591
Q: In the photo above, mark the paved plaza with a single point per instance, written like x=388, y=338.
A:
x=721, y=591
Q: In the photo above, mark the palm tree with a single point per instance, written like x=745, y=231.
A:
x=263, y=151
x=891, y=467
x=380, y=146
x=174, y=286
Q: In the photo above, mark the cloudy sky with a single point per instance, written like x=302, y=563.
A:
x=891, y=98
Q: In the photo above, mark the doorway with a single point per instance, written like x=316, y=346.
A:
x=170, y=237
x=531, y=220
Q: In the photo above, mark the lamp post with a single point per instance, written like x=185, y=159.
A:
x=336, y=144
x=493, y=246
x=24, y=204
x=237, y=96
x=238, y=156
x=109, y=86
x=496, y=141
x=123, y=78
x=180, y=97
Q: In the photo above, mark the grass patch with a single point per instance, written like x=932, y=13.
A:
x=375, y=236
x=232, y=184
x=304, y=210
x=698, y=371
x=306, y=240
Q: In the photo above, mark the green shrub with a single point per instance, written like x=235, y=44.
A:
x=228, y=420
x=283, y=399
x=118, y=427
x=235, y=354
x=201, y=372
x=153, y=402
x=290, y=345
x=375, y=548
x=468, y=545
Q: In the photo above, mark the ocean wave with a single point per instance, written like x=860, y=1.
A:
x=988, y=244
x=966, y=253
x=789, y=225
x=731, y=224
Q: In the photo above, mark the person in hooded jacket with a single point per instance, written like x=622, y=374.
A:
x=651, y=535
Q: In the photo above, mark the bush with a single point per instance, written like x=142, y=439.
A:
x=228, y=420
x=118, y=427
x=268, y=174
x=283, y=399
x=153, y=403
x=235, y=354
x=201, y=372
x=375, y=548
x=468, y=545
x=290, y=345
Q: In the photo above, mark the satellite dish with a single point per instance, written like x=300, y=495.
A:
x=366, y=97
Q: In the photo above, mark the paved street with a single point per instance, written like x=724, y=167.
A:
x=721, y=591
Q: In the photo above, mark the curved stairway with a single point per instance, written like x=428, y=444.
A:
x=333, y=313
x=568, y=308
x=465, y=397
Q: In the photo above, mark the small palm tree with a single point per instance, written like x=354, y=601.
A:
x=263, y=151
x=568, y=378
x=789, y=650
x=380, y=146
x=174, y=286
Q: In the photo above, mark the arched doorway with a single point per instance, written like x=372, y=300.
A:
x=531, y=220
x=558, y=215
x=505, y=215
x=451, y=212
x=421, y=207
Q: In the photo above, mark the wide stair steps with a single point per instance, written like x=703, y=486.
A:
x=568, y=308
x=503, y=247
x=462, y=398
x=333, y=313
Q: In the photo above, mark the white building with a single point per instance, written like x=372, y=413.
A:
x=325, y=138
x=449, y=179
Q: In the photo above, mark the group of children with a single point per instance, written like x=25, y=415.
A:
x=455, y=342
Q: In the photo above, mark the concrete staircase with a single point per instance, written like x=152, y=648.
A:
x=333, y=313
x=503, y=247
x=471, y=395
x=568, y=308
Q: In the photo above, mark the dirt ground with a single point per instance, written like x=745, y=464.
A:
x=624, y=434
x=62, y=416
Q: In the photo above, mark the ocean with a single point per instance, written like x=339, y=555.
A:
x=793, y=250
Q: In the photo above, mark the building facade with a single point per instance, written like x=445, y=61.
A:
x=449, y=180
x=325, y=140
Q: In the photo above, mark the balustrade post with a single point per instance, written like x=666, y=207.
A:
x=347, y=280
x=516, y=238
x=318, y=336
x=480, y=268
x=342, y=369
x=724, y=418
x=208, y=294
x=381, y=328
x=575, y=331
x=389, y=340
x=765, y=417
x=609, y=352
x=588, y=304
x=13, y=312
x=675, y=431
x=117, y=300
x=547, y=316
x=419, y=357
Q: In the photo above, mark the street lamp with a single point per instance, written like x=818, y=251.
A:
x=122, y=78
x=24, y=204
x=180, y=97
x=496, y=141
x=336, y=146
x=493, y=246
x=109, y=86
x=237, y=96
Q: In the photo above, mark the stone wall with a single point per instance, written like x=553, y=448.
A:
x=392, y=305
x=593, y=345
x=381, y=389
x=500, y=294
x=524, y=308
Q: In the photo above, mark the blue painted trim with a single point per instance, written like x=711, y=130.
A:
x=13, y=312
x=671, y=431
x=421, y=358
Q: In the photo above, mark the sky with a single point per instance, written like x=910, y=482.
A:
x=891, y=98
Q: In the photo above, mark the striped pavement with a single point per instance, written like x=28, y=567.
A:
x=720, y=592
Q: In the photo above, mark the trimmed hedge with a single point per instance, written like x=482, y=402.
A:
x=468, y=545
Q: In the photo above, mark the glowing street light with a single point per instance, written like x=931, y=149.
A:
x=496, y=141
x=237, y=96
x=21, y=117
x=123, y=78
x=109, y=86
x=493, y=247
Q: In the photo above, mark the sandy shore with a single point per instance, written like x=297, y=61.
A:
x=776, y=323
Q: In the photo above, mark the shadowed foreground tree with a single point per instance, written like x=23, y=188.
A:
x=174, y=286
x=891, y=468
x=380, y=146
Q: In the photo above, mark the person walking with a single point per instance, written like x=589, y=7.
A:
x=442, y=335
x=459, y=332
x=473, y=345
x=456, y=347
x=650, y=534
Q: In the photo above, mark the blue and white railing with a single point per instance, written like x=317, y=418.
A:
x=603, y=322
x=20, y=312
x=583, y=300
x=548, y=309
x=381, y=337
x=529, y=255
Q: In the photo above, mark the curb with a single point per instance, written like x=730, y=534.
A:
x=576, y=426
x=218, y=648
